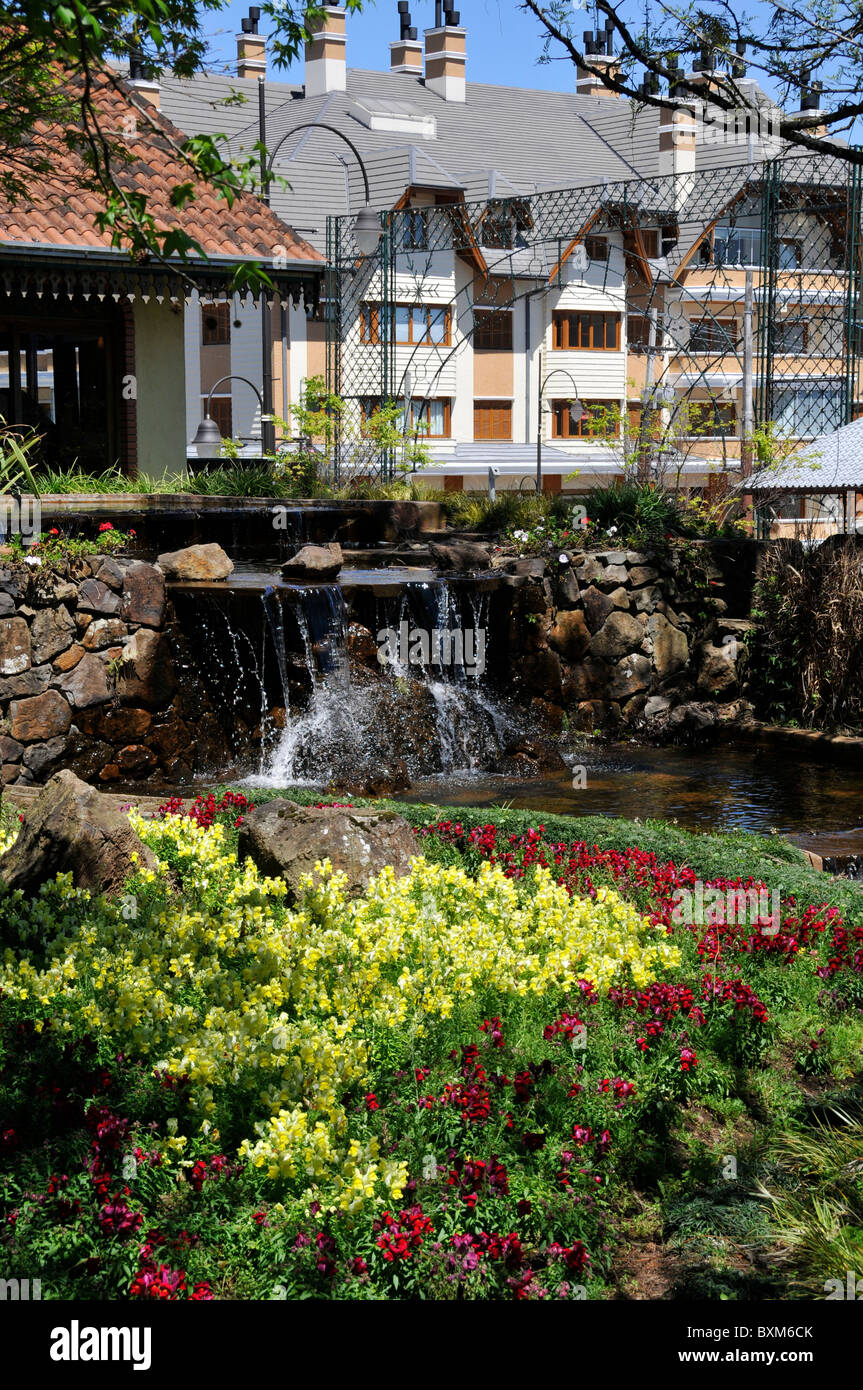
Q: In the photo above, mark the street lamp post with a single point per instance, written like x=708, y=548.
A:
x=576, y=412
x=367, y=230
x=208, y=435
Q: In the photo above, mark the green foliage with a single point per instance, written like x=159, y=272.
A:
x=16, y=447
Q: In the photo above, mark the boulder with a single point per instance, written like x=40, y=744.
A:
x=597, y=607
x=316, y=562
x=148, y=676
x=143, y=595
x=104, y=632
x=52, y=631
x=670, y=646
x=717, y=670
x=96, y=597
x=286, y=840
x=526, y=567
x=195, y=562
x=463, y=556
x=570, y=635
x=619, y=634
x=565, y=592
x=41, y=757
x=629, y=677
x=14, y=646
x=73, y=827
x=87, y=683
x=40, y=717
x=612, y=577
x=586, y=681
x=657, y=704
x=68, y=659
x=32, y=682
x=362, y=647
x=642, y=574
x=109, y=571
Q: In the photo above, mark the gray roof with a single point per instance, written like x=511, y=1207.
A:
x=830, y=463
x=501, y=142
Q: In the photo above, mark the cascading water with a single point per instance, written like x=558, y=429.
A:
x=427, y=708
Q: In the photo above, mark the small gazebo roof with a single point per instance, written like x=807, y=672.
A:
x=828, y=463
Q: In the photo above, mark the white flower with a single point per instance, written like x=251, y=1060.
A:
x=32, y=560
x=563, y=559
x=612, y=530
x=520, y=535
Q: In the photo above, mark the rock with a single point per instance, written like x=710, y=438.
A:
x=136, y=759
x=657, y=704
x=815, y=860
x=526, y=567
x=7, y=605
x=565, y=591
x=597, y=607
x=586, y=681
x=41, y=757
x=590, y=571
x=143, y=595
x=570, y=635
x=635, y=557
x=285, y=839
x=461, y=555
x=612, y=557
x=642, y=574
x=669, y=644
x=147, y=676
x=619, y=634
x=33, y=682
x=69, y=659
x=73, y=827
x=621, y=598
x=52, y=631
x=628, y=677
x=314, y=562
x=362, y=647
x=645, y=600
x=40, y=717
x=109, y=571
x=196, y=562
x=87, y=683
x=123, y=725
x=717, y=670
x=10, y=749
x=14, y=646
x=104, y=632
x=612, y=577
x=96, y=597
x=65, y=591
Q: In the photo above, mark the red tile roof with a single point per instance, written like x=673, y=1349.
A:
x=60, y=208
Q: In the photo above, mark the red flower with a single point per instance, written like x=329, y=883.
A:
x=105, y=526
x=372, y=1102
x=53, y=531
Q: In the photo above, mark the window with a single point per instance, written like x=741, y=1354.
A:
x=806, y=411
x=423, y=323
x=504, y=224
x=431, y=418
x=638, y=331
x=215, y=325
x=492, y=328
x=596, y=247
x=415, y=229
x=220, y=411
x=650, y=242
x=713, y=335
x=791, y=335
x=790, y=253
x=492, y=420
x=737, y=245
x=577, y=330
x=712, y=419
x=601, y=420
x=370, y=317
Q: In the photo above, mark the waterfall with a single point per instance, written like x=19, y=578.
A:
x=427, y=710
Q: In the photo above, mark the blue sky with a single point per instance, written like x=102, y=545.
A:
x=503, y=43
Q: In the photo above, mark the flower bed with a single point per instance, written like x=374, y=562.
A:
x=444, y=1088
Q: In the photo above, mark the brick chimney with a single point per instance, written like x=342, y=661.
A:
x=251, y=47
x=326, y=67
x=407, y=54
x=143, y=83
x=446, y=54
x=599, y=48
x=677, y=134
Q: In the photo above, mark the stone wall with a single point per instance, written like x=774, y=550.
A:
x=87, y=674
x=649, y=640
